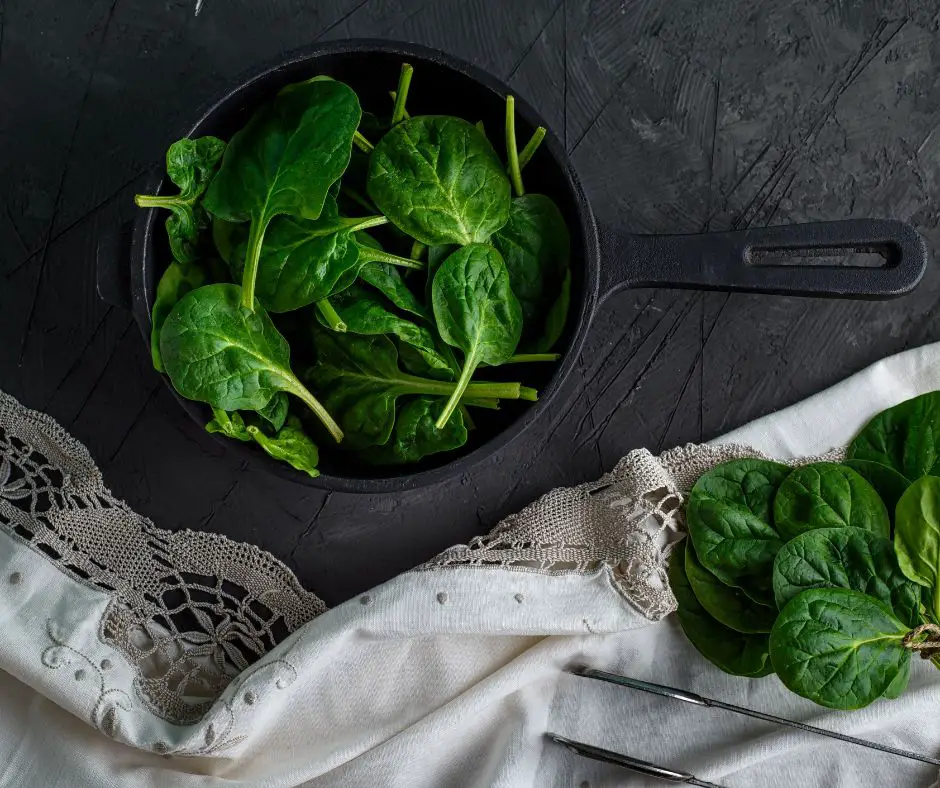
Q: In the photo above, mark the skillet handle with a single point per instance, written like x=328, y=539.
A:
x=733, y=261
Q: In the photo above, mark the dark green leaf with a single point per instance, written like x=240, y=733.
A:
x=219, y=352
x=849, y=558
x=226, y=236
x=190, y=165
x=291, y=445
x=839, y=648
x=537, y=248
x=727, y=605
x=730, y=523
x=438, y=179
x=827, y=495
x=905, y=437
x=304, y=261
x=275, y=412
x=899, y=684
x=734, y=652
x=557, y=318
x=888, y=483
x=386, y=279
x=360, y=381
x=177, y=281
x=917, y=535
x=284, y=161
x=415, y=435
x=436, y=256
x=476, y=311
x=364, y=313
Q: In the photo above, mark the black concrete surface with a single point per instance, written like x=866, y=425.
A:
x=681, y=117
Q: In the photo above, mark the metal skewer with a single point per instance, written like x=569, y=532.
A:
x=634, y=764
x=700, y=700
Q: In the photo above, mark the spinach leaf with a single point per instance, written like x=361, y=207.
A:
x=849, y=558
x=917, y=535
x=727, y=605
x=386, y=279
x=289, y=444
x=232, y=425
x=226, y=236
x=415, y=435
x=364, y=313
x=888, y=483
x=537, y=249
x=733, y=652
x=436, y=256
x=275, y=412
x=304, y=261
x=360, y=381
x=827, y=495
x=905, y=437
x=190, y=165
x=730, y=523
x=284, y=161
x=476, y=311
x=177, y=281
x=217, y=351
x=899, y=684
x=839, y=648
x=438, y=179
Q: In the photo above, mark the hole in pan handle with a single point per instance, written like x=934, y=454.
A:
x=737, y=260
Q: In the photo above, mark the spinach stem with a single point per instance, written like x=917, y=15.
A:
x=528, y=394
x=394, y=95
x=156, y=201
x=418, y=249
x=331, y=316
x=469, y=367
x=404, y=82
x=515, y=173
x=362, y=143
x=365, y=222
x=252, y=257
x=371, y=255
x=480, y=127
x=522, y=358
x=299, y=390
x=486, y=403
x=531, y=147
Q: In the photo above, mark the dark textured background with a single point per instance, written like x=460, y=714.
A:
x=680, y=116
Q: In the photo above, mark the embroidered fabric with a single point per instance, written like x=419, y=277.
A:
x=193, y=610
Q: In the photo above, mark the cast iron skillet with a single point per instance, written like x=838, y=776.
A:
x=604, y=260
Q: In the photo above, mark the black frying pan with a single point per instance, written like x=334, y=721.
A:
x=604, y=260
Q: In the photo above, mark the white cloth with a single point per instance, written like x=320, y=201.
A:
x=448, y=677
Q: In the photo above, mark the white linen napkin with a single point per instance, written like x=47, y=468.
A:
x=448, y=677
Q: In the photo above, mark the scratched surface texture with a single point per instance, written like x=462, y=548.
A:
x=680, y=116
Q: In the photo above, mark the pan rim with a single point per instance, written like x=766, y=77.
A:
x=146, y=222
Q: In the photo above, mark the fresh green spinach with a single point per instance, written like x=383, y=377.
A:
x=476, y=311
x=177, y=281
x=289, y=444
x=849, y=558
x=731, y=525
x=727, y=605
x=275, y=412
x=232, y=425
x=415, y=436
x=733, y=652
x=839, y=648
x=438, y=179
x=917, y=535
x=905, y=437
x=190, y=165
x=536, y=247
x=828, y=495
x=216, y=350
x=284, y=162
x=888, y=483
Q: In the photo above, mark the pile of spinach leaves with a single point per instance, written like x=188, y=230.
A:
x=392, y=257
x=826, y=574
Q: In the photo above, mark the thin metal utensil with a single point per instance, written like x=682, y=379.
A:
x=701, y=700
x=634, y=764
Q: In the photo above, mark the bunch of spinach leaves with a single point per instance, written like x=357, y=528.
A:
x=395, y=256
x=827, y=574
